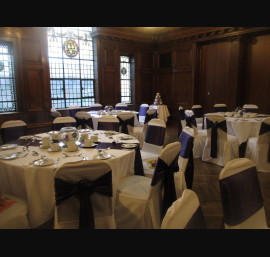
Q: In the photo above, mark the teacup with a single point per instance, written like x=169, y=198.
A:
x=84, y=136
x=55, y=136
x=94, y=138
x=55, y=147
x=88, y=142
x=46, y=142
x=71, y=146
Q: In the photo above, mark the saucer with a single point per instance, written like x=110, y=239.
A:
x=93, y=145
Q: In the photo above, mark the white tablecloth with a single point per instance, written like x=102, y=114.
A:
x=162, y=111
x=242, y=128
x=36, y=184
x=95, y=118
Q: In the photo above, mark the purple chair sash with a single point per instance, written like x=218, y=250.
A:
x=83, y=189
x=108, y=126
x=95, y=108
x=84, y=122
x=121, y=107
x=190, y=120
x=253, y=110
x=221, y=125
x=143, y=110
x=149, y=117
x=138, y=165
x=198, y=112
x=241, y=196
x=220, y=109
x=264, y=129
x=58, y=126
x=155, y=135
x=186, y=151
x=197, y=220
x=72, y=112
x=12, y=133
x=165, y=172
x=125, y=123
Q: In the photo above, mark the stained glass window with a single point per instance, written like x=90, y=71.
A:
x=8, y=98
x=126, y=78
x=71, y=63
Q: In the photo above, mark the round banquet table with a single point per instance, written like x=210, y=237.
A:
x=35, y=184
x=162, y=111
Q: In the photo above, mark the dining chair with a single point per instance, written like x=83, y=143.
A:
x=55, y=114
x=198, y=113
x=181, y=120
x=13, y=212
x=12, y=130
x=141, y=202
x=61, y=122
x=84, y=120
x=73, y=109
x=126, y=123
x=200, y=135
x=241, y=196
x=121, y=106
x=219, y=147
x=251, y=108
x=142, y=112
x=139, y=132
x=83, y=195
x=185, y=213
x=220, y=108
x=108, y=122
x=96, y=107
x=258, y=148
x=185, y=161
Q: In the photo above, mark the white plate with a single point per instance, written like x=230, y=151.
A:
x=109, y=133
x=126, y=137
x=50, y=150
x=84, y=130
x=9, y=156
x=46, y=163
x=25, y=137
x=8, y=146
x=102, y=157
x=129, y=146
x=93, y=145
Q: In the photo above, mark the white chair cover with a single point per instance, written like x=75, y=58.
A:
x=12, y=130
x=153, y=143
x=96, y=107
x=108, y=122
x=84, y=120
x=184, y=177
x=258, y=148
x=220, y=108
x=241, y=196
x=67, y=212
x=121, y=106
x=142, y=112
x=13, y=123
x=139, y=199
x=55, y=114
x=16, y=215
x=251, y=108
x=227, y=145
x=185, y=213
x=61, y=122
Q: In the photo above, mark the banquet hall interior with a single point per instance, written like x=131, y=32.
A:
x=183, y=66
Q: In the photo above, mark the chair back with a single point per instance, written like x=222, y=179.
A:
x=61, y=122
x=241, y=196
x=121, y=106
x=84, y=120
x=73, y=109
x=220, y=108
x=191, y=121
x=96, y=107
x=108, y=122
x=198, y=113
x=162, y=192
x=126, y=123
x=55, y=114
x=155, y=135
x=83, y=192
x=181, y=119
x=251, y=108
x=185, y=213
x=185, y=160
x=142, y=112
x=12, y=130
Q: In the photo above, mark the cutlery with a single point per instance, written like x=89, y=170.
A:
x=57, y=161
x=44, y=160
x=71, y=155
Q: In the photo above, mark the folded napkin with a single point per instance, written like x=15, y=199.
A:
x=5, y=202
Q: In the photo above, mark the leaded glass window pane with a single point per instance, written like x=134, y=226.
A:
x=71, y=66
x=8, y=98
x=125, y=78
